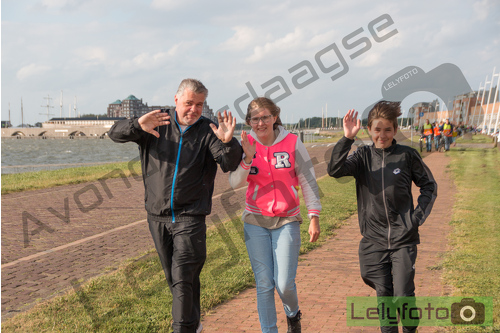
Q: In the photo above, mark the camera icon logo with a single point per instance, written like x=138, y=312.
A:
x=467, y=312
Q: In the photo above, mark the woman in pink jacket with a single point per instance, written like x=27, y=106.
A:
x=275, y=164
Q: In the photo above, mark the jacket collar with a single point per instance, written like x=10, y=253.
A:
x=387, y=150
x=179, y=125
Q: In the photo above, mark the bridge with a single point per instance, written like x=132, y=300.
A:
x=72, y=132
x=56, y=132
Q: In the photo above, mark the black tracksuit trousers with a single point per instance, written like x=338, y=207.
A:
x=182, y=249
x=389, y=272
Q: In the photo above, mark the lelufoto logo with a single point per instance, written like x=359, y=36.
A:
x=419, y=311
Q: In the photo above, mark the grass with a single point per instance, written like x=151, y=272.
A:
x=336, y=135
x=477, y=138
x=50, y=178
x=472, y=266
x=135, y=298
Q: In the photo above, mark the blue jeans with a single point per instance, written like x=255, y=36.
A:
x=429, y=142
x=436, y=141
x=274, y=255
x=447, y=142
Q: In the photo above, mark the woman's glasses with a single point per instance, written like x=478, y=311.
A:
x=265, y=119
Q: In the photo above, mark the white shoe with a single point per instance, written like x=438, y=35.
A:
x=200, y=328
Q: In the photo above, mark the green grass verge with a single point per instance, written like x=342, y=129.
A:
x=50, y=178
x=135, y=298
x=334, y=136
x=477, y=138
x=472, y=266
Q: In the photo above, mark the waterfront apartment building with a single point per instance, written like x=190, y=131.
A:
x=132, y=107
x=419, y=110
x=479, y=109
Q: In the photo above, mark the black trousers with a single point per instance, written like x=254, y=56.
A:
x=389, y=272
x=182, y=249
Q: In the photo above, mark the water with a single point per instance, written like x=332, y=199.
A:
x=33, y=154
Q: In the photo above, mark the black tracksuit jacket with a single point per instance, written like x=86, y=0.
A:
x=179, y=169
x=384, y=177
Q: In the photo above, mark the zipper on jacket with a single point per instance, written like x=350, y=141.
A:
x=385, y=203
x=176, y=169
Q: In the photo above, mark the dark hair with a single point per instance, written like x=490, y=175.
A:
x=385, y=110
x=264, y=103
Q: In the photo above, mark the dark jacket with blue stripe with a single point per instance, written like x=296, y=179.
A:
x=179, y=169
x=384, y=177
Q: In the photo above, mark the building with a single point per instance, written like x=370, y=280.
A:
x=82, y=127
x=423, y=110
x=80, y=122
x=462, y=106
x=114, y=109
x=97, y=126
x=478, y=109
x=209, y=113
x=420, y=110
x=132, y=107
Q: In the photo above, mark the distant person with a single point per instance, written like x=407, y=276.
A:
x=448, y=134
x=427, y=132
x=275, y=163
x=461, y=129
x=440, y=135
x=437, y=134
x=454, y=135
x=388, y=221
x=179, y=152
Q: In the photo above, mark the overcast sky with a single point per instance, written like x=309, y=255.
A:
x=103, y=50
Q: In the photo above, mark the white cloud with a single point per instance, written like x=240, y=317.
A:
x=31, y=70
x=146, y=60
x=244, y=37
x=91, y=54
x=369, y=59
x=54, y=3
x=60, y=4
x=168, y=5
x=156, y=60
x=482, y=8
x=182, y=48
x=291, y=42
x=323, y=39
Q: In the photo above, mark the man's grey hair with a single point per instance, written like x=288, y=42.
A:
x=194, y=85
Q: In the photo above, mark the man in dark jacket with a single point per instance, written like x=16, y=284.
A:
x=179, y=152
x=389, y=223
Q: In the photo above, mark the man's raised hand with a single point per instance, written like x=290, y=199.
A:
x=153, y=119
x=227, y=124
x=352, y=125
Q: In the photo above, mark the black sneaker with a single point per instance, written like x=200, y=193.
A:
x=294, y=323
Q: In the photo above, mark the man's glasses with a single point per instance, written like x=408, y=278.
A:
x=265, y=119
